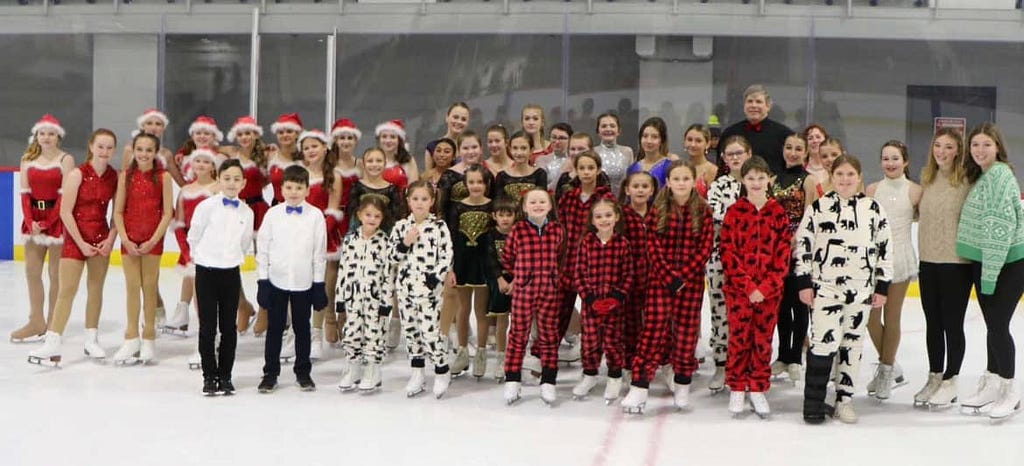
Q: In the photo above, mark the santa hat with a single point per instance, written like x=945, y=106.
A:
x=204, y=152
x=345, y=126
x=394, y=126
x=204, y=122
x=287, y=121
x=314, y=133
x=246, y=123
x=149, y=114
x=46, y=122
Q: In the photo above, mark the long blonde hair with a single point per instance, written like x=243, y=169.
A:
x=931, y=167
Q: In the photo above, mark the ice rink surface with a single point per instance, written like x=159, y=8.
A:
x=88, y=413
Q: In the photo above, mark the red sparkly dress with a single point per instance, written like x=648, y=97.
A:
x=319, y=197
x=349, y=178
x=41, y=203
x=395, y=174
x=143, y=208
x=90, y=212
x=275, y=171
x=252, y=193
x=188, y=202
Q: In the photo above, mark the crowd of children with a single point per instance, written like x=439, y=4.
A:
x=364, y=251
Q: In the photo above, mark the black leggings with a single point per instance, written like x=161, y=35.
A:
x=997, y=309
x=945, y=291
x=792, y=324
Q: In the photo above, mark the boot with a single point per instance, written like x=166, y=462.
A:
x=942, y=396
x=717, y=382
x=147, y=353
x=876, y=380
x=778, y=367
x=33, y=331
x=92, y=345
x=49, y=353
x=461, y=362
x=179, y=321
x=923, y=395
x=416, y=382
x=371, y=378
x=548, y=394
x=845, y=412
x=635, y=401
x=351, y=377
x=815, y=387
x=681, y=396
x=441, y=383
x=480, y=363
x=582, y=389
x=795, y=371
x=737, y=401
x=513, y=391
x=1009, y=400
x=259, y=326
x=129, y=352
x=760, y=402
x=884, y=388
x=316, y=344
x=612, y=389
x=987, y=393
x=499, y=373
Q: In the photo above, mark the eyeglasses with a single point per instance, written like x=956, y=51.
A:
x=560, y=138
x=734, y=154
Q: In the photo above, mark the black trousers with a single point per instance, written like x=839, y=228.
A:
x=301, y=307
x=945, y=291
x=217, y=295
x=792, y=324
x=997, y=309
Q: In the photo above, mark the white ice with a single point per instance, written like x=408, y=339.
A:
x=93, y=414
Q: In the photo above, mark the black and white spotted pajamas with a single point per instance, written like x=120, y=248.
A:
x=365, y=293
x=842, y=252
x=723, y=193
x=420, y=272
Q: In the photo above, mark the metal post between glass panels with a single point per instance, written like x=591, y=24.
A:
x=332, y=77
x=254, y=65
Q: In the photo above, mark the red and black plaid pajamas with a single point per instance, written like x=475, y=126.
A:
x=755, y=246
x=603, y=270
x=635, y=230
x=531, y=261
x=574, y=215
x=672, y=318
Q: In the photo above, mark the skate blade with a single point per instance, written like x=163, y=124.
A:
x=368, y=391
x=635, y=410
x=31, y=339
x=53, y=361
x=412, y=394
x=939, y=407
x=267, y=390
x=126, y=362
x=999, y=419
x=762, y=416
x=548, y=403
x=99, y=359
x=210, y=394
x=512, y=401
x=610, y=401
x=347, y=389
x=192, y=366
x=286, y=360
x=972, y=410
x=716, y=391
x=579, y=397
x=177, y=332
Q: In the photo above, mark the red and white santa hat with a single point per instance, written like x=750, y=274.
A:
x=246, y=123
x=345, y=126
x=287, y=121
x=315, y=133
x=204, y=152
x=149, y=114
x=206, y=123
x=393, y=126
x=46, y=122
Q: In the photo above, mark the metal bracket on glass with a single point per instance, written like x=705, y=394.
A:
x=762, y=8
x=505, y=7
x=188, y=7
x=46, y=7
x=590, y=7
x=849, y=8
x=263, y=7
x=341, y=7
x=423, y=7
x=675, y=7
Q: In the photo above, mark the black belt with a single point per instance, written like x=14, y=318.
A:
x=43, y=205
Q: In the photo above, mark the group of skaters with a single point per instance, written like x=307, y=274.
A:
x=543, y=235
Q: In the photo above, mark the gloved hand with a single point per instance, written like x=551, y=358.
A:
x=319, y=296
x=263, y=293
x=618, y=296
x=339, y=307
x=675, y=286
x=384, y=311
x=589, y=299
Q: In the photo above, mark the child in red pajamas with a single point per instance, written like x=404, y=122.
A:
x=603, y=277
x=573, y=214
x=755, y=245
x=679, y=242
x=637, y=194
x=531, y=262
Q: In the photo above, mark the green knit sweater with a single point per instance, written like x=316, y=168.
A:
x=991, y=229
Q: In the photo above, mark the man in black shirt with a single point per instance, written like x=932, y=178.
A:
x=766, y=136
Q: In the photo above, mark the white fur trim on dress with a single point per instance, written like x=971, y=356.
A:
x=186, y=270
x=334, y=256
x=348, y=173
x=43, y=239
x=391, y=127
x=334, y=213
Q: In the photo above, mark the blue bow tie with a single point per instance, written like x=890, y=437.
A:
x=292, y=210
x=229, y=202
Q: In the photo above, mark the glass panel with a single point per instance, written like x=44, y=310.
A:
x=863, y=87
x=416, y=78
x=205, y=75
x=292, y=78
x=44, y=74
